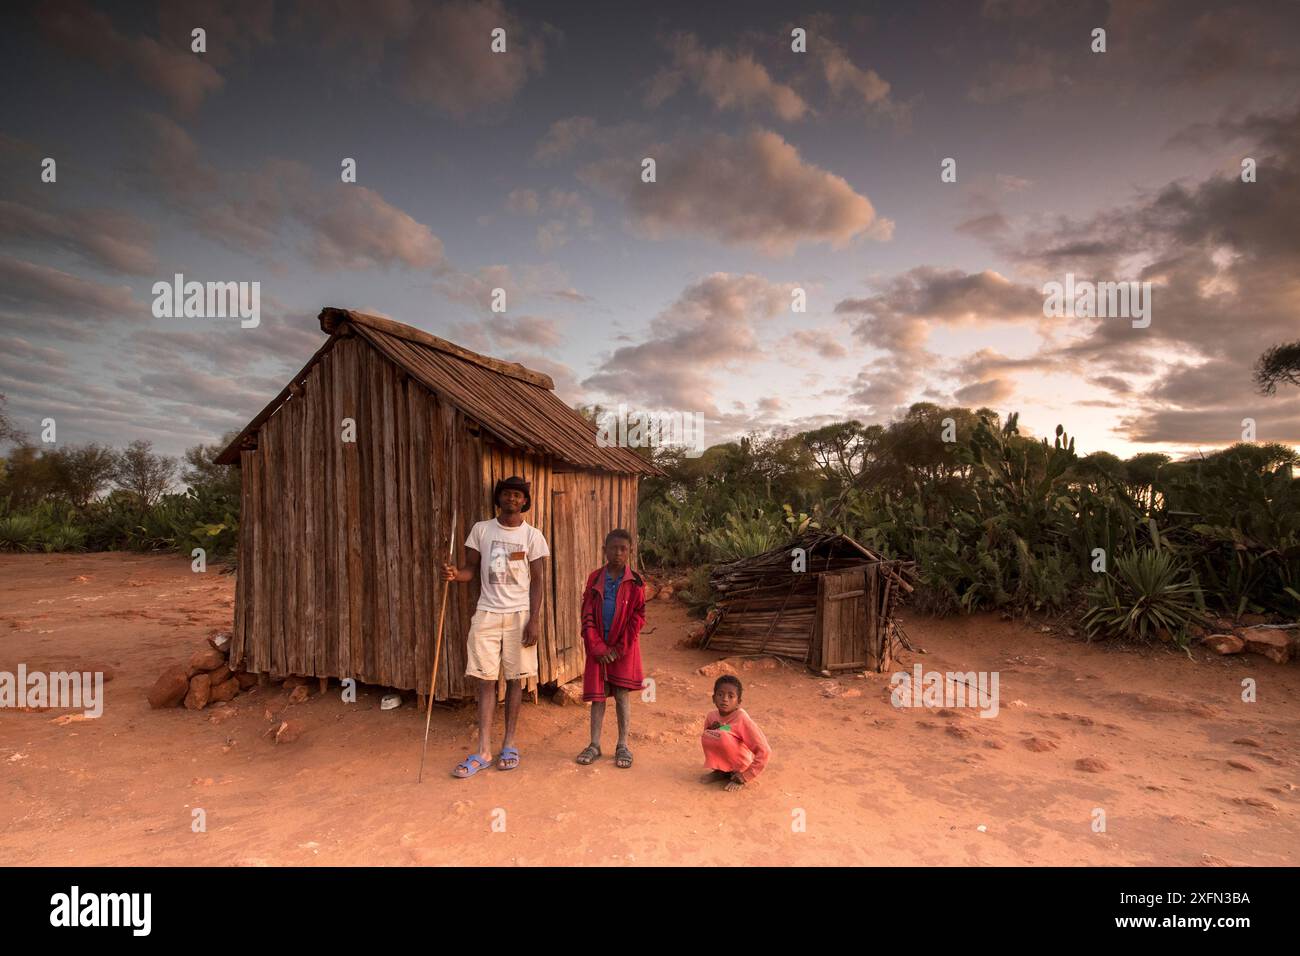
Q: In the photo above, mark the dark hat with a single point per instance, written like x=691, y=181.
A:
x=514, y=483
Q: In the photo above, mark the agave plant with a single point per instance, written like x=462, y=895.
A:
x=1149, y=595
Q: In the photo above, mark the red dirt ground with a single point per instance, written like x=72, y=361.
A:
x=875, y=784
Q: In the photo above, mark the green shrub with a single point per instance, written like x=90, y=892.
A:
x=1149, y=595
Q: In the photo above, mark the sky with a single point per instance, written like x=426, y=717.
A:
x=777, y=172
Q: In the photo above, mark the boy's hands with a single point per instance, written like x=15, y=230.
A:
x=530, y=633
x=450, y=572
x=609, y=658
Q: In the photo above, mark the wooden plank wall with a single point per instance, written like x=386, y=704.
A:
x=341, y=544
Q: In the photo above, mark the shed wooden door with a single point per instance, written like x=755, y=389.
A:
x=846, y=620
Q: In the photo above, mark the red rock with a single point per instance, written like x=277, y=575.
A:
x=1091, y=765
x=207, y=659
x=566, y=694
x=716, y=669
x=1242, y=765
x=300, y=693
x=224, y=691
x=1248, y=742
x=289, y=731
x=170, y=688
x=1039, y=744
x=222, y=713
x=246, y=680
x=200, y=690
x=1224, y=644
x=1274, y=645
x=220, y=675
x=294, y=681
x=220, y=641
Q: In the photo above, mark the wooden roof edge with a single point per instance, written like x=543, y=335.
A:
x=331, y=317
x=230, y=455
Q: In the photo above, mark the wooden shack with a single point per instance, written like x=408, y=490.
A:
x=822, y=599
x=350, y=478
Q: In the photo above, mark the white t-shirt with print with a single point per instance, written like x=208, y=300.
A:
x=504, y=556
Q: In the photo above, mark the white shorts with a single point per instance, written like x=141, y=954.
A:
x=496, y=644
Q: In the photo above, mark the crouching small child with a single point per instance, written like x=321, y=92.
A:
x=613, y=612
x=733, y=744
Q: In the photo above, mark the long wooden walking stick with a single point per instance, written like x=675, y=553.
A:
x=437, y=646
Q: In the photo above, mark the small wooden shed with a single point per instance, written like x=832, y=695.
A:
x=822, y=599
x=341, y=542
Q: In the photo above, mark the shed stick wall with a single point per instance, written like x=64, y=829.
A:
x=340, y=542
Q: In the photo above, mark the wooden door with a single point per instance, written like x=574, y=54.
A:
x=847, y=636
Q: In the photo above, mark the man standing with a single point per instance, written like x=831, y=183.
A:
x=506, y=553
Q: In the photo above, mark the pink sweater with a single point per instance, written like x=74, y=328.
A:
x=740, y=748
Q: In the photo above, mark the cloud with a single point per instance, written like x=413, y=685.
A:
x=348, y=226
x=41, y=290
x=88, y=34
x=821, y=341
x=730, y=80
x=1033, y=70
x=988, y=392
x=435, y=54
x=754, y=190
x=109, y=239
x=713, y=325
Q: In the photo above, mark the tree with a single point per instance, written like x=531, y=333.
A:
x=8, y=433
x=1281, y=363
x=202, y=471
x=144, y=475
x=81, y=473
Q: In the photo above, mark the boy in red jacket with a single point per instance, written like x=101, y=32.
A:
x=613, y=611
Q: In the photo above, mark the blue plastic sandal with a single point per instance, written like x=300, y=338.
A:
x=508, y=753
x=471, y=765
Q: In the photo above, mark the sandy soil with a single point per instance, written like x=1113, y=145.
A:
x=1191, y=775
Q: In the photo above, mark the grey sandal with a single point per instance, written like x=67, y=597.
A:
x=588, y=755
x=622, y=758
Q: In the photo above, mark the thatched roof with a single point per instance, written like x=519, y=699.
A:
x=513, y=404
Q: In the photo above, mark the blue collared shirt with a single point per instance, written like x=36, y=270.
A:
x=611, y=598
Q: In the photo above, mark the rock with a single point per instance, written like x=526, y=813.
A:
x=761, y=664
x=665, y=592
x=224, y=691
x=289, y=731
x=1248, y=742
x=246, y=680
x=170, y=688
x=1242, y=765
x=1091, y=765
x=960, y=731
x=651, y=589
x=294, y=681
x=207, y=659
x=220, y=675
x=1274, y=645
x=222, y=714
x=1039, y=744
x=1224, y=643
x=1259, y=802
x=566, y=694
x=300, y=693
x=199, y=692
x=220, y=641
x=994, y=744
x=716, y=669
